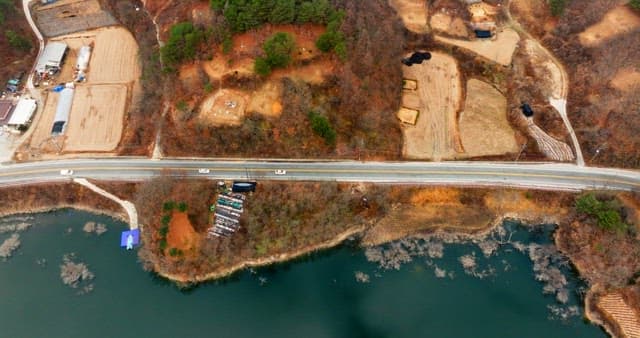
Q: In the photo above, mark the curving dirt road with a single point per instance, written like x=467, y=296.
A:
x=559, y=99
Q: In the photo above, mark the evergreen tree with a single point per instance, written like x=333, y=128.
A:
x=306, y=12
x=284, y=11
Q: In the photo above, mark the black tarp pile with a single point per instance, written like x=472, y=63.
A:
x=416, y=57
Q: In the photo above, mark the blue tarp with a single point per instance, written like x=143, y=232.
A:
x=129, y=238
x=58, y=88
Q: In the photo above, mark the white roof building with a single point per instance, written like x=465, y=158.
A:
x=83, y=58
x=51, y=57
x=23, y=112
x=62, y=111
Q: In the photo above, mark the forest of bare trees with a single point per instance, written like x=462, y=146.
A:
x=605, y=119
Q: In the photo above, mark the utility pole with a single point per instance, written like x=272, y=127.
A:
x=598, y=150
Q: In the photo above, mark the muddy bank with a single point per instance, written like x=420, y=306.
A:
x=263, y=261
x=54, y=196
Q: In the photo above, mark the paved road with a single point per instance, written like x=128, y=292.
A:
x=545, y=176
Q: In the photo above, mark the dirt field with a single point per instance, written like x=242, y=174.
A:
x=413, y=13
x=617, y=21
x=181, y=234
x=443, y=23
x=614, y=306
x=97, y=116
x=226, y=107
x=626, y=79
x=438, y=100
x=115, y=57
x=484, y=129
x=97, y=113
x=499, y=50
x=42, y=131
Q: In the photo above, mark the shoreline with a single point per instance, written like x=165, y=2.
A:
x=265, y=261
x=120, y=216
x=453, y=234
x=456, y=235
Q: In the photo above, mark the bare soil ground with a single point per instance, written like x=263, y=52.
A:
x=484, y=129
x=618, y=21
x=181, y=234
x=42, y=131
x=464, y=211
x=220, y=66
x=438, y=100
x=614, y=307
x=267, y=100
x=247, y=46
x=547, y=73
x=414, y=14
x=626, y=79
x=97, y=113
x=97, y=117
x=314, y=73
x=450, y=26
x=499, y=50
x=226, y=107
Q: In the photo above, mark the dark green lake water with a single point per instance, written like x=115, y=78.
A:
x=317, y=297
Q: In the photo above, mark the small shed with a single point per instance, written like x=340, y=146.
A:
x=483, y=34
x=52, y=57
x=23, y=113
x=409, y=84
x=62, y=111
x=408, y=116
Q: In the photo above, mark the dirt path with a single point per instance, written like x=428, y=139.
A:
x=126, y=205
x=559, y=98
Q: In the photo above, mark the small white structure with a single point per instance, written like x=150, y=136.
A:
x=51, y=58
x=83, y=58
x=62, y=111
x=22, y=114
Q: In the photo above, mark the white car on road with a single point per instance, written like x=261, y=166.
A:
x=203, y=171
x=281, y=172
x=66, y=172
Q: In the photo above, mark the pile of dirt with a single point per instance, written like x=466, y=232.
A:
x=181, y=234
x=226, y=107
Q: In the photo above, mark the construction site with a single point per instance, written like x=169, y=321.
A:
x=86, y=93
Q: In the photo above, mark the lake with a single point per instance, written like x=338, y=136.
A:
x=313, y=297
